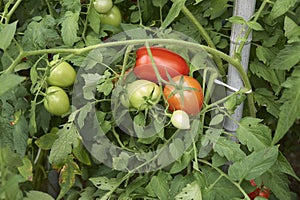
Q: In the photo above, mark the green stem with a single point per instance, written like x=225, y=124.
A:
x=86, y=20
x=227, y=177
x=206, y=37
x=248, y=32
x=11, y=12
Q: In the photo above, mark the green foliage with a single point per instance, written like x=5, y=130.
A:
x=208, y=162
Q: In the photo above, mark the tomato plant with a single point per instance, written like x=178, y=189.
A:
x=112, y=17
x=184, y=93
x=167, y=62
x=56, y=101
x=143, y=94
x=103, y=6
x=61, y=74
x=176, y=149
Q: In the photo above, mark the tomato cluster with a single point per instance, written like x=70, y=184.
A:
x=182, y=94
x=109, y=13
x=56, y=100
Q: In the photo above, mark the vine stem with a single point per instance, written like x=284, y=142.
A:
x=206, y=37
x=227, y=177
x=11, y=12
x=248, y=32
x=234, y=61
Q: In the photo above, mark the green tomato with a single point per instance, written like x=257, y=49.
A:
x=143, y=94
x=56, y=101
x=103, y=6
x=180, y=119
x=61, y=75
x=112, y=17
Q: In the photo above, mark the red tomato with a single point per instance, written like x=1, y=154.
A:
x=166, y=61
x=254, y=194
x=252, y=182
x=186, y=94
x=265, y=192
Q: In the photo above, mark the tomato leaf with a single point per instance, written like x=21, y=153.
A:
x=284, y=166
x=253, y=134
x=177, y=148
x=262, y=71
x=264, y=97
x=160, y=185
x=229, y=149
x=287, y=57
x=72, y=5
x=254, y=165
x=280, y=7
x=290, y=109
x=94, y=20
x=173, y=12
x=69, y=24
x=62, y=147
x=7, y=33
x=37, y=195
x=192, y=191
x=81, y=154
x=67, y=176
x=26, y=169
x=9, y=81
x=278, y=184
x=40, y=33
x=291, y=30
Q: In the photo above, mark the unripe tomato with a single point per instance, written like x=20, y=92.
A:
x=168, y=63
x=180, y=119
x=143, y=94
x=56, y=101
x=112, y=17
x=61, y=75
x=103, y=6
x=186, y=94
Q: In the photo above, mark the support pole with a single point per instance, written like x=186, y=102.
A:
x=245, y=9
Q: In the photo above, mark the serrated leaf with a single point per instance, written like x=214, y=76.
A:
x=81, y=154
x=20, y=135
x=37, y=195
x=265, y=55
x=7, y=33
x=159, y=185
x=290, y=109
x=105, y=183
x=70, y=27
x=62, y=147
x=291, y=30
x=40, y=34
x=177, y=148
x=278, y=184
x=254, y=165
x=190, y=192
x=287, y=57
x=280, y=7
x=266, y=98
x=46, y=141
x=173, y=12
x=255, y=26
x=94, y=20
x=262, y=71
x=67, y=177
x=26, y=169
x=229, y=149
x=253, y=134
x=72, y=5
x=9, y=81
x=284, y=166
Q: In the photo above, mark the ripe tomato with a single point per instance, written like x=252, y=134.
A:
x=264, y=192
x=61, y=75
x=180, y=119
x=103, y=6
x=142, y=94
x=254, y=194
x=56, y=101
x=186, y=94
x=166, y=61
x=112, y=17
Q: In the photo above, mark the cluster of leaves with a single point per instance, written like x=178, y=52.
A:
x=43, y=156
